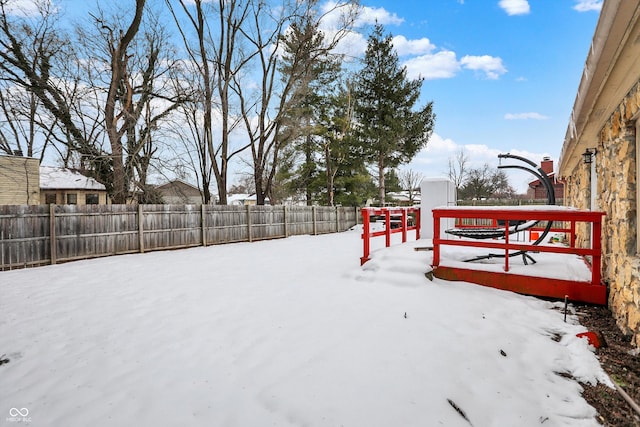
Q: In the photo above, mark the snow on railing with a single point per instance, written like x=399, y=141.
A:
x=396, y=220
x=593, y=291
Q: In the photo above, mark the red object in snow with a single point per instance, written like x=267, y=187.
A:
x=595, y=339
x=593, y=291
x=400, y=223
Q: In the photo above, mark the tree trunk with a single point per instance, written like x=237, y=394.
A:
x=381, y=187
x=119, y=78
x=330, y=174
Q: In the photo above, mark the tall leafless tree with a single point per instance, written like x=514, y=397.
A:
x=34, y=56
x=265, y=110
x=459, y=168
x=410, y=181
x=120, y=97
x=217, y=57
x=140, y=94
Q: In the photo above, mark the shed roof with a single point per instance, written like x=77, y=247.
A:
x=52, y=178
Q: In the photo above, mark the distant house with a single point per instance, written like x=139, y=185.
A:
x=537, y=189
x=241, y=199
x=179, y=193
x=19, y=181
x=69, y=187
x=403, y=198
x=244, y=199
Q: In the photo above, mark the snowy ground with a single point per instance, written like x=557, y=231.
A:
x=289, y=332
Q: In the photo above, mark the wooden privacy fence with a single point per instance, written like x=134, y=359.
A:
x=48, y=234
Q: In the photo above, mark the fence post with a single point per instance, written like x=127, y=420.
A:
x=436, y=239
x=403, y=216
x=313, y=216
x=284, y=215
x=337, y=220
x=52, y=232
x=140, y=228
x=203, y=222
x=387, y=228
x=249, y=223
x=366, y=236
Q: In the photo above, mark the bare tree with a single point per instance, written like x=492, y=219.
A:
x=140, y=94
x=216, y=57
x=120, y=95
x=459, y=168
x=265, y=110
x=35, y=52
x=410, y=181
x=19, y=126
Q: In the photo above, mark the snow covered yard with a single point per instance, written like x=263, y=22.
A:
x=289, y=332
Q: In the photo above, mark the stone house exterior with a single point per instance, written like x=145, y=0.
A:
x=599, y=161
x=19, y=180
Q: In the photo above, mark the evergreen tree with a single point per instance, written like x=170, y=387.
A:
x=308, y=63
x=335, y=139
x=390, y=131
x=392, y=181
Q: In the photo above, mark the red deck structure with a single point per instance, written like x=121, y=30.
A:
x=593, y=291
x=396, y=220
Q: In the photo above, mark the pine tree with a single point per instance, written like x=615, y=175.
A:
x=390, y=131
x=309, y=65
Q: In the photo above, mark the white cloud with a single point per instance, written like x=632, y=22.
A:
x=490, y=65
x=441, y=65
x=588, y=5
x=445, y=65
x=412, y=47
x=441, y=145
x=29, y=8
x=371, y=15
x=525, y=116
x=422, y=59
x=352, y=46
x=515, y=7
x=433, y=161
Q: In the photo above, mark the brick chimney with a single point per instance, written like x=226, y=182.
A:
x=547, y=165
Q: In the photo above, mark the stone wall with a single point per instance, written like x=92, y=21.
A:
x=616, y=195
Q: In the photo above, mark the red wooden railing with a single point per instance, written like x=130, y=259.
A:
x=396, y=217
x=493, y=222
x=594, y=291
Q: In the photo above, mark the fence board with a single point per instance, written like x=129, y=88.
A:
x=89, y=231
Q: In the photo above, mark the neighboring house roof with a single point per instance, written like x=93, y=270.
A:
x=179, y=187
x=404, y=196
x=537, y=183
x=52, y=178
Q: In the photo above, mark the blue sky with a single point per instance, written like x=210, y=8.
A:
x=503, y=75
